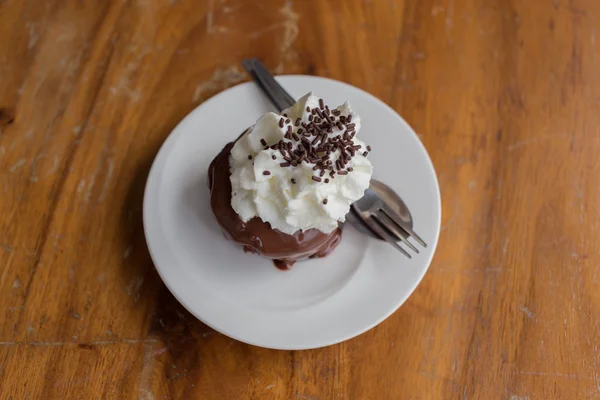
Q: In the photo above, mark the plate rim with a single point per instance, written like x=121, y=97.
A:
x=154, y=178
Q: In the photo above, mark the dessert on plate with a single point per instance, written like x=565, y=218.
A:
x=284, y=187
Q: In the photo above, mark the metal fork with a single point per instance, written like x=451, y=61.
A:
x=387, y=216
x=280, y=98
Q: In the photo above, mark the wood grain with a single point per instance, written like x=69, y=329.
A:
x=504, y=94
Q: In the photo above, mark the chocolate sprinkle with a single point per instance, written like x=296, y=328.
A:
x=368, y=148
x=249, y=157
x=266, y=172
x=314, y=142
x=263, y=141
x=293, y=181
x=324, y=201
x=366, y=153
x=273, y=157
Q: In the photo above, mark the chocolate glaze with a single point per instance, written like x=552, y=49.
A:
x=257, y=236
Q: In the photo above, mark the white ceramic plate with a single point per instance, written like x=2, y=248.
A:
x=318, y=302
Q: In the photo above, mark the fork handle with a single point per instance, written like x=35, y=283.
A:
x=280, y=98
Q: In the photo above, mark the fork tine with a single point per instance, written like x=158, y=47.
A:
x=389, y=225
x=394, y=217
x=375, y=227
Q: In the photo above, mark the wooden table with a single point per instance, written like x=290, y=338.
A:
x=505, y=96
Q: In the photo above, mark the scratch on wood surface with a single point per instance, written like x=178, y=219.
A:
x=33, y=36
x=122, y=86
x=450, y=16
x=54, y=168
x=80, y=186
x=527, y=142
x=33, y=177
x=231, y=9
x=580, y=197
x=158, y=352
x=16, y=283
x=90, y=186
x=452, y=217
x=557, y=375
x=133, y=289
x=145, y=383
x=221, y=79
x=301, y=396
x=290, y=32
x=127, y=252
x=17, y=165
x=435, y=10
x=527, y=312
x=110, y=166
x=210, y=16
x=211, y=27
x=515, y=397
x=505, y=246
x=75, y=343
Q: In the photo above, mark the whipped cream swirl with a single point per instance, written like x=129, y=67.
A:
x=301, y=169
